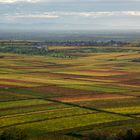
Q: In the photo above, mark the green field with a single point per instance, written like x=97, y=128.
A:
x=83, y=89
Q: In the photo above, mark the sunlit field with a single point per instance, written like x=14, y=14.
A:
x=81, y=92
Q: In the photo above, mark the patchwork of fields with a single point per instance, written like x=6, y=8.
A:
x=48, y=95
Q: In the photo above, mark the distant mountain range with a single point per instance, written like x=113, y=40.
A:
x=55, y=35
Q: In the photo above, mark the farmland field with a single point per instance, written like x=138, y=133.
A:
x=79, y=90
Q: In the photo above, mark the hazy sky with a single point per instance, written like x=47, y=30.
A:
x=70, y=14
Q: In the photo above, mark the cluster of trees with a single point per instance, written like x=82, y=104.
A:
x=24, y=50
x=19, y=134
x=86, y=43
x=136, y=60
x=14, y=134
x=65, y=43
x=137, y=45
x=40, y=48
x=128, y=135
x=62, y=53
x=59, y=54
x=13, y=43
x=31, y=50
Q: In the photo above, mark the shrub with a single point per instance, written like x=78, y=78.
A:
x=13, y=134
x=96, y=136
x=128, y=135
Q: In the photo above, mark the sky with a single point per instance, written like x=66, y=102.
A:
x=69, y=15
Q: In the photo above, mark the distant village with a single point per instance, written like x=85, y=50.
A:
x=45, y=44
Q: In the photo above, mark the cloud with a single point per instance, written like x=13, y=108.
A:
x=37, y=15
x=14, y=1
x=75, y=14
x=108, y=13
x=72, y=17
x=66, y=1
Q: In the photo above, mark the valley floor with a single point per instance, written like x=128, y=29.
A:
x=66, y=97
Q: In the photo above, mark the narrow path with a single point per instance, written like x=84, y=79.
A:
x=91, y=108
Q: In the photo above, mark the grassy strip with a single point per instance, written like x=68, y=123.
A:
x=22, y=103
x=24, y=119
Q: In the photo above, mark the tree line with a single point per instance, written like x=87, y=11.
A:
x=20, y=134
